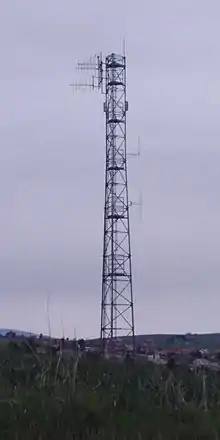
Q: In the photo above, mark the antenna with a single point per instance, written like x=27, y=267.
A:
x=95, y=66
x=139, y=204
x=124, y=50
x=138, y=150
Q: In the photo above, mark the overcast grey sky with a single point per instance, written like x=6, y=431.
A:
x=52, y=162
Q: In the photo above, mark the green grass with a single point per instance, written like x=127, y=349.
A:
x=50, y=398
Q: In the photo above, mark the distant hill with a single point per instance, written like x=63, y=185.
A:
x=189, y=340
x=194, y=340
x=4, y=331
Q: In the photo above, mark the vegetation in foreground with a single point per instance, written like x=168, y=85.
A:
x=60, y=398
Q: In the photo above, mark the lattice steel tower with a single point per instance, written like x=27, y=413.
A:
x=117, y=314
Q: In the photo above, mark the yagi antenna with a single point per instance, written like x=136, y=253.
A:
x=95, y=66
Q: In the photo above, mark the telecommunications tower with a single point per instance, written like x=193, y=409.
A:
x=117, y=310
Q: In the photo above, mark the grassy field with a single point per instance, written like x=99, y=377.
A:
x=57, y=398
